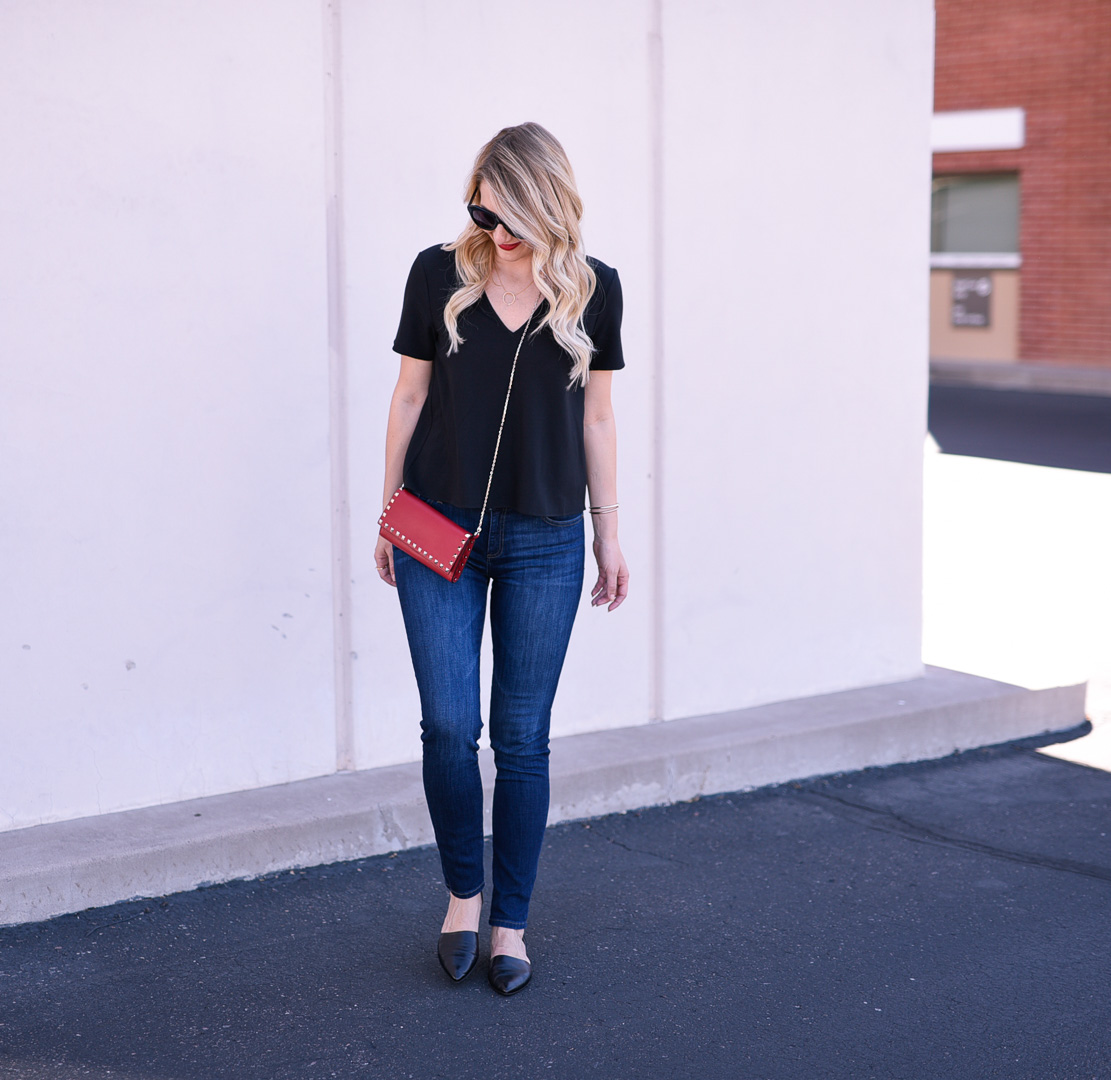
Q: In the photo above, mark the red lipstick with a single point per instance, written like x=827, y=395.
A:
x=509, y=247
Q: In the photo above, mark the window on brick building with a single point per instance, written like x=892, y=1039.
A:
x=975, y=214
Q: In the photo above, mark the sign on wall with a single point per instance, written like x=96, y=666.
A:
x=971, y=299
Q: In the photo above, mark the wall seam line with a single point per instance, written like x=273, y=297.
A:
x=658, y=687
x=337, y=388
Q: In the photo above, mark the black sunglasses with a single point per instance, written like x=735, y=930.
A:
x=487, y=219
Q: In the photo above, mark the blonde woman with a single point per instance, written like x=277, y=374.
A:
x=516, y=276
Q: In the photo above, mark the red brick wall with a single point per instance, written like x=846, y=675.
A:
x=1053, y=58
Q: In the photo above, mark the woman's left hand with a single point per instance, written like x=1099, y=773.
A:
x=612, y=585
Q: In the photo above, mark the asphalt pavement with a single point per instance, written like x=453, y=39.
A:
x=939, y=919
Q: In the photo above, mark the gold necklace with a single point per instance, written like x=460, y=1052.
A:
x=508, y=298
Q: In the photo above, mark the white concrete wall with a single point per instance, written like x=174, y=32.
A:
x=163, y=403
x=164, y=361
x=796, y=226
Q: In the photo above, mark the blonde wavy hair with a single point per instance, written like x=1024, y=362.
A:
x=528, y=171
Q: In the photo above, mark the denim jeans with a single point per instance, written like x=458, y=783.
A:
x=532, y=568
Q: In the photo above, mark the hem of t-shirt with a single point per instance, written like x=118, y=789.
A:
x=533, y=511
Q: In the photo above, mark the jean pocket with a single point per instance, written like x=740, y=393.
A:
x=563, y=522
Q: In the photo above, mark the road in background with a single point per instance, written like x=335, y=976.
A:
x=1064, y=431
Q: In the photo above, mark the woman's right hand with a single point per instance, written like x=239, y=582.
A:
x=383, y=561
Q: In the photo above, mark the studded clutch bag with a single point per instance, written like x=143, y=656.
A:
x=420, y=530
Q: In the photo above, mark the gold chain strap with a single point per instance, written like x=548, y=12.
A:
x=504, y=410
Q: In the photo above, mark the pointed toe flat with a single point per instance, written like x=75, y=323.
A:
x=508, y=974
x=458, y=953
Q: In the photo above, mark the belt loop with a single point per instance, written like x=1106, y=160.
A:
x=496, y=530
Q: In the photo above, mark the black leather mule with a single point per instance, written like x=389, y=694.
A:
x=458, y=953
x=508, y=974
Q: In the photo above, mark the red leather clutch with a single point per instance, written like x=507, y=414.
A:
x=419, y=529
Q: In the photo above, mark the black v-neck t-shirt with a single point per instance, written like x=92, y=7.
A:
x=541, y=467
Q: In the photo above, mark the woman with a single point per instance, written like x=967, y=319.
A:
x=515, y=282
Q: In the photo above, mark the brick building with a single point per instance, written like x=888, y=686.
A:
x=1022, y=161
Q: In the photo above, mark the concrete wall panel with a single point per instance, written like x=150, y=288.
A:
x=163, y=389
x=795, y=344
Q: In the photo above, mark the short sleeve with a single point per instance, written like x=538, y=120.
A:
x=416, y=332
x=606, y=331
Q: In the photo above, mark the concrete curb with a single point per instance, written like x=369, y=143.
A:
x=67, y=866
x=1015, y=375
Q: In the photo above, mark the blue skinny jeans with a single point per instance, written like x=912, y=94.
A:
x=532, y=568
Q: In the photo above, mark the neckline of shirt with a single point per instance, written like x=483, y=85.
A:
x=491, y=311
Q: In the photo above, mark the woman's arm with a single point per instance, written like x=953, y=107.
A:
x=600, y=441
x=405, y=408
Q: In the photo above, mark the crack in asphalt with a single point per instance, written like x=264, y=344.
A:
x=888, y=821
x=639, y=851
x=117, y=922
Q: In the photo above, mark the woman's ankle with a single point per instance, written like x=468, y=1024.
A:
x=507, y=940
x=462, y=914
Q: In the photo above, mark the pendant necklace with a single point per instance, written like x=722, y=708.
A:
x=508, y=298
